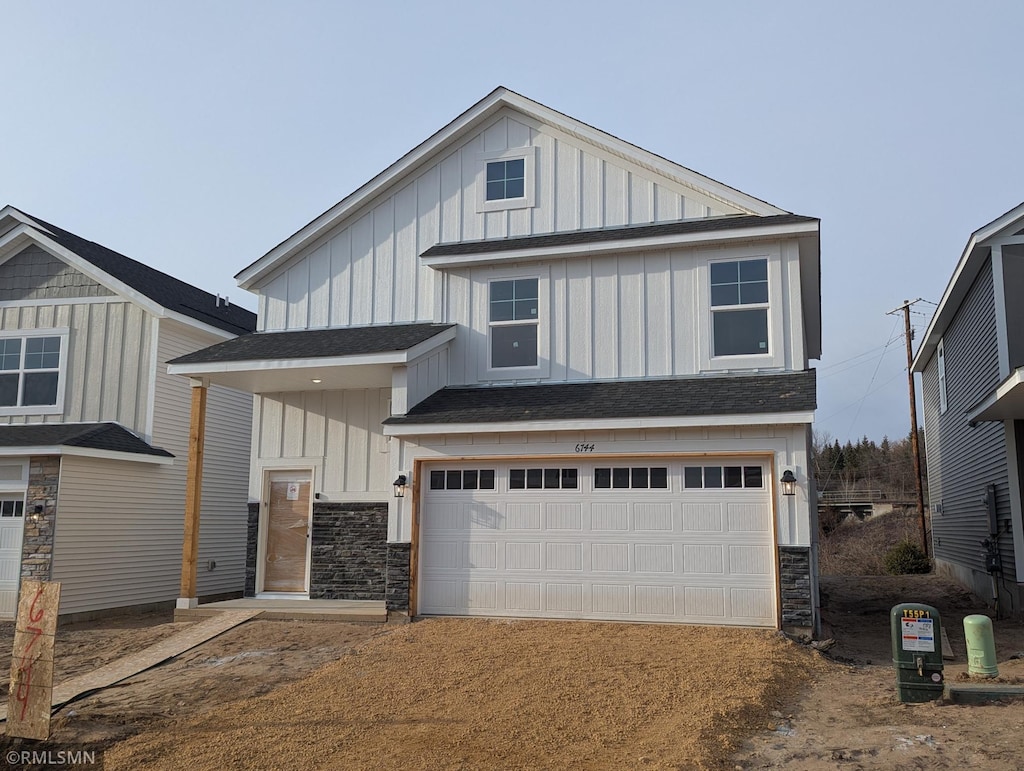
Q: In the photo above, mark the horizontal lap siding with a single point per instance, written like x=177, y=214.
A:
x=108, y=360
x=226, y=454
x=367, y=271
x=964, y=460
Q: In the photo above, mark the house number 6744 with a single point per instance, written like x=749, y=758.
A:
x=585, y=447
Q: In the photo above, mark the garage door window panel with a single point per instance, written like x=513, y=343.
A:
x=543, y=479
x=718, y=477
x=463, y=479
x=631, y=478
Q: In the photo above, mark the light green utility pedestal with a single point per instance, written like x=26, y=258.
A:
x=981, y=646
x=917, y=652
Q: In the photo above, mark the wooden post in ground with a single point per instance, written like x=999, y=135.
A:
x=28, y=711
x=193, y=493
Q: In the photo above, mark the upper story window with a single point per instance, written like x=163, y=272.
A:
x=739, y=304
x=941, y=356
x=506, y=180
x=30, y=373
x=513, y=323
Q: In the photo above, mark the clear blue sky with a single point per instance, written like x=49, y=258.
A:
x=194, y=136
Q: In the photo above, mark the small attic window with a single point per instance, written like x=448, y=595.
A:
x=506, y=180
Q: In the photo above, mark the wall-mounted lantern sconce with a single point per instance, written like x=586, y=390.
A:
x=788, y=483
x=37, y=513
x=400, y=484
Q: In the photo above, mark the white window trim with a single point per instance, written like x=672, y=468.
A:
x=529, y=156
x=483, y=279
x=940, y=357
x=776, y=356
x=43, y=409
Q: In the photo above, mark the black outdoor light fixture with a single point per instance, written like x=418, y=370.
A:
x=400, y=485
x=788, y=483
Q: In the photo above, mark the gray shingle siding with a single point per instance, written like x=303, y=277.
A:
x=964, y=460
x=34, y=274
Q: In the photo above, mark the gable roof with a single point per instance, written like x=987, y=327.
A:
x=464, y=124
x=676, y=397
x=168, y=292
x=972, y=260
x=107, y=437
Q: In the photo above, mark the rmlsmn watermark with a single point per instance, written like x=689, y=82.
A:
x=53, y=757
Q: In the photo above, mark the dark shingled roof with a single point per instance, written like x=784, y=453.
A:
x=731, y=395
x=170, y=292
x=96, y=436
x=316, y=343
x=571, y=238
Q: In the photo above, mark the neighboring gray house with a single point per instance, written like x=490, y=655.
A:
x=971, y=361
x=586, y=367
x=94, y=432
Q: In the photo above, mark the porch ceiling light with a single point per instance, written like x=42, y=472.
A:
x=400, y=485
x=788, y=483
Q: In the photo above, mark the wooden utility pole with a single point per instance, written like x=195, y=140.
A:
x=915, y=448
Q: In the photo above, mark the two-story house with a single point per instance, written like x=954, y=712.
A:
x=533, y=370
x=971, y=361
x=94, y=433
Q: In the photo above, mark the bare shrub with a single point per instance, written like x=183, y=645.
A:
x=855, y=548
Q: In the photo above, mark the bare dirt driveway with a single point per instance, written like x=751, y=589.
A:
x=481, y=694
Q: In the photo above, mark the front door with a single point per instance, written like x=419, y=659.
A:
x=286, y=549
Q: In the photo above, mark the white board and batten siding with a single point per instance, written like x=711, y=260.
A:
x=121, y=523
x=109, y=359
x=663, y=555
x=367, y=271
x=336, y=433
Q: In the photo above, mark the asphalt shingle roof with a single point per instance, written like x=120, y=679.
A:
x=571, y=238
x=731, y=395
x=170, y=292
x=315, y=343
x=96, y=436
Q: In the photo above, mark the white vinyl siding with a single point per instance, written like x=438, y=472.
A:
x=630, y=316
x=367, y=271
x=300, y=429
x=107, y=360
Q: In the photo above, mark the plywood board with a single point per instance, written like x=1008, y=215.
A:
x=32, y=660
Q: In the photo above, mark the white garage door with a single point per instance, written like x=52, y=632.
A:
x=639, y=540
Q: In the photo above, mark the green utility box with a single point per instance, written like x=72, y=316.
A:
x=917, y=652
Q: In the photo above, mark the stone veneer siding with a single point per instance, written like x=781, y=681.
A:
x=795, y=580
x=351, y=558
x=252, y=534
x=37, y=546
x=350, y=551
x=397, y=591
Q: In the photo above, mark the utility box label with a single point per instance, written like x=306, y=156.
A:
x=918, y=634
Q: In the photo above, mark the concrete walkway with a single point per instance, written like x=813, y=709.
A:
x=121, y=669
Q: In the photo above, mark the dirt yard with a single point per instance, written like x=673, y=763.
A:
x=467, y=694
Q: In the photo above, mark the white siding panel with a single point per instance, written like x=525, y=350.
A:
x=341, y=279
x=406, y=275
x=320, y=287
x=108, y=360
x=384, y=262
x=304, y=428
x=362, y=271
x=605, y=338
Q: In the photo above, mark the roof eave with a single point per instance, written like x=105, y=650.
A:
x=597, y=424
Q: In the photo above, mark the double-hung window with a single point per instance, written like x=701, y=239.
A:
x=739, y=307
x=30, y=373
x=513, y=323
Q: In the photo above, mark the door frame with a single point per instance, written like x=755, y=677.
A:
x=269, y=474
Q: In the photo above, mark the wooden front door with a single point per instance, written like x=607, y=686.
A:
x=287, y=534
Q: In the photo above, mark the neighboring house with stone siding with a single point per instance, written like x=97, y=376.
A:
x=971, y=361
x=533, y=370
x=94, y=432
